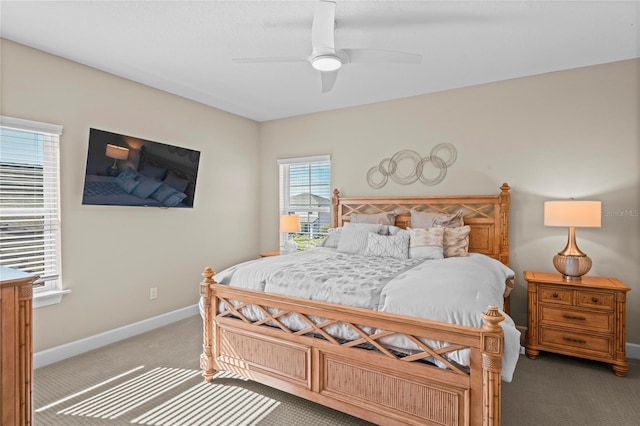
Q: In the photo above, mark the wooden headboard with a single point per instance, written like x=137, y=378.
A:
x=487, y=215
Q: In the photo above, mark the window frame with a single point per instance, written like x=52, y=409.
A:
x=49, y=291
x=284, y=193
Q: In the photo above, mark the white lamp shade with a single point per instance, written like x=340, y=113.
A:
x=117, y=152
x=290, y=223
x=579, y=214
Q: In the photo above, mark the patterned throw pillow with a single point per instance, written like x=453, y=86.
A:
x=396, y=246
x=432, y=219
x=128, y=184
x=125, y=175
x=456, y=241
x=426, y=243
x=174, y=199
x=163, y=192
x=146, y=187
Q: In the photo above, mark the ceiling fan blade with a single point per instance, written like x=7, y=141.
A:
x=322, y=31
x=272, y=59
x=328, y=80
x=373, y=55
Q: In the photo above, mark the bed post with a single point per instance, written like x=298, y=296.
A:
x=505, y=201
x=206, y=358
x=492, y=352
x=335, y=202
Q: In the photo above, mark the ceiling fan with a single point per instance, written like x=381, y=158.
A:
x=324, y=55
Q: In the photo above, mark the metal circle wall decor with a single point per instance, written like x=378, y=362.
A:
x=379, y=175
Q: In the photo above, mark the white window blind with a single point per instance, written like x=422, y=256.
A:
x=29, y=198
x=305, y=190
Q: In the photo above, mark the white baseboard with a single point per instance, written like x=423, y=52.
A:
x=633, y=350
x=58, y=353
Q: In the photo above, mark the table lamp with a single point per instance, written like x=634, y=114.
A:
x=289, y=224
x=117, y=153
x=571, y=262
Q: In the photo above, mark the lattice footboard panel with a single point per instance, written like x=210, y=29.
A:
x=250, y=336
x=276, y=318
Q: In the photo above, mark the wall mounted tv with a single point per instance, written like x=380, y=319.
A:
x=129, y=171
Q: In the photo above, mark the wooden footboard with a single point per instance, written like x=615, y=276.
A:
x=361, y=377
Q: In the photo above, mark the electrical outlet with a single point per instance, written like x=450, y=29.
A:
x=153, y=293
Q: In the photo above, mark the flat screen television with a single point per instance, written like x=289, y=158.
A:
x=128, y=171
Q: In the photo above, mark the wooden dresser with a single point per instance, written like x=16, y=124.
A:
x=579, y=318
x=16, y=362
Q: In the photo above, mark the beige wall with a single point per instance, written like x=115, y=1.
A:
x=565, y=134
x=113, y=255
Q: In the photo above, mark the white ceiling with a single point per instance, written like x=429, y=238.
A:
x=186, y=47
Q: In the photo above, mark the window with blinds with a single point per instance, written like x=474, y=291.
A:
x=305, y=190
x=29, y=198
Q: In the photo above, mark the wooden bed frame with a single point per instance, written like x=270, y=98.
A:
x=362, y=377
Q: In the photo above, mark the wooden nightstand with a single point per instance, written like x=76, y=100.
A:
x=270, y=253
x=583, y=318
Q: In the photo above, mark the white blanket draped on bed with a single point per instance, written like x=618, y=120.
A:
x=454, y=290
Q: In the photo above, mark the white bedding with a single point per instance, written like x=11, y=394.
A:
x=455, y=290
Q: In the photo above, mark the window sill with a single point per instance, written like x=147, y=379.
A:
x=46, y=298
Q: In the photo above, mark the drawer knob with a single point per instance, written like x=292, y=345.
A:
x=573, y=340
x=555, y=295
x=574, y=317
x=594, y=299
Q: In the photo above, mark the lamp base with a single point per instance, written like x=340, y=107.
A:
x=113, y=171
x=572, y=267
x=289, y=246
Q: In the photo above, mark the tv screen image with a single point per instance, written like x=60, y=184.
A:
x=128, y=171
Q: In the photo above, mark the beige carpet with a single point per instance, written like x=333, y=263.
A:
x=153, y=379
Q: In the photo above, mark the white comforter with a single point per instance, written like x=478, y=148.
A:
x=455, y=290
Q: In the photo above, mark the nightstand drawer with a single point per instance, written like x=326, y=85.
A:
x=586, y=343
x=592, y=299
x=597, y=321
x=556, y=295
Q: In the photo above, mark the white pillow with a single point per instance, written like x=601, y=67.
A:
x=385, y=218
x=396, y=246
x=353, y=239
x=333, y=236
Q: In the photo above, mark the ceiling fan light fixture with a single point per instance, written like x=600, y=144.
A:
x=326, y=63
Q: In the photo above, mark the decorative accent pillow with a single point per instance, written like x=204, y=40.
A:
x=146, y=187
x=333, y=236
x=163, y=192
x=394, y=230
x=426, y=243
x=176, y=182
x=149, y=170
x=126, y=174
x=174, y=199
x=128, y=184
x=386, y=218
x=353, y=238
x=456, y=241
x=396, y=246
x=432, y=219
